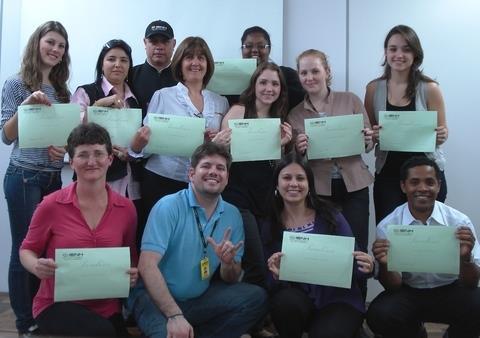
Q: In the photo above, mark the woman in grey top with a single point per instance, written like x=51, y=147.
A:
x=32, y=173
x=402, y=86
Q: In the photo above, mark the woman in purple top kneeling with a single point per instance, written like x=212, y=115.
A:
x=322, y=311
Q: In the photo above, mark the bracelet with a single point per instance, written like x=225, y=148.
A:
x=174, y=316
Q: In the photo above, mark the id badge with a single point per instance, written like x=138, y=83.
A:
x=204, y=268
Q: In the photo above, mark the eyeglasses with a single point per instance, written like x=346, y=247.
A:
x=258, y=46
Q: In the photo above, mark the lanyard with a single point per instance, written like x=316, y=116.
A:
x=200, y=230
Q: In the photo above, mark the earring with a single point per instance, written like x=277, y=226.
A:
x=276, y=192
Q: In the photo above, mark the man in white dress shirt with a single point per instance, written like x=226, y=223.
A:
x=412, y=298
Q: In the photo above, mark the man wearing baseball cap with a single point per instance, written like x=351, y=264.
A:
x=155, y=73
x=151, y=76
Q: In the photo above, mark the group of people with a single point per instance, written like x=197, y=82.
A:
x=209, y=230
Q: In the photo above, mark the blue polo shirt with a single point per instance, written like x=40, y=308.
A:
x=172, y=232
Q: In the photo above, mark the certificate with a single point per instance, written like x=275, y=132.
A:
x=174, y=135
x=317, y=259
x=255, y=139
x=420, y=248
x=232, y=76
x=122, y=124
x=408, y=130
x=40, y=126
x=335, y=136
x=93, y=273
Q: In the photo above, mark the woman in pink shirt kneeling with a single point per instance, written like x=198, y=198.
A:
x=85, y=214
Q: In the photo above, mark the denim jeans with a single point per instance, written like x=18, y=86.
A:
x=223, y=311
x=24, y=189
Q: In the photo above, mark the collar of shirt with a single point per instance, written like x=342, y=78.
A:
x=107, y=87
x=308, y=105
x=436, y=218
x=158, y=71
x=68, y=195
x=193, y=203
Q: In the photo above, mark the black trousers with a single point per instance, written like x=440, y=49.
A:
x=253, y=260
x=400, y=313
x=293, y=313
x=72, y=319
x=355, y=208
x=387, y=195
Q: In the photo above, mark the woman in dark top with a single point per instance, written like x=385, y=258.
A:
x=322, y=311
x=250, y=181
x=111, y=89
x=402, y=86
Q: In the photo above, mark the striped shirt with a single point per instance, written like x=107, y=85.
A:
x=14, y=92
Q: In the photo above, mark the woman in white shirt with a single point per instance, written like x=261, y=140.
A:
x=192, y=66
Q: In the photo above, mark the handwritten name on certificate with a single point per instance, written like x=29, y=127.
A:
x=121, y=124
x=255, y=139
x=335, y=136
x=317, y=259
x=40, y=126
x=408, y=130
x=174, y=135
x=420, y=248
x=232, y=76
x=93, y=273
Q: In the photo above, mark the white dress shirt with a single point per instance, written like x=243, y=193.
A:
x=442, y=215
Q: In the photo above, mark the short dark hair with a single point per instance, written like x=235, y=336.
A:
x=193, y=45
x=418, y=161
x=253, y=30
x=89, y=133
x=209, y=149
x=115, y=43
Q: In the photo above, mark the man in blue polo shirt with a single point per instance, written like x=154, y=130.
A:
x=188, y=236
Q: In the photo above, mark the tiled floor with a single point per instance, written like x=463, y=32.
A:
x=7, y=322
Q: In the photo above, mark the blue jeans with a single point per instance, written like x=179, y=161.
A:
x=223, y=311
x=24, y=189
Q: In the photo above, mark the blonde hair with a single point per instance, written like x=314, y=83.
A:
x=323, y=59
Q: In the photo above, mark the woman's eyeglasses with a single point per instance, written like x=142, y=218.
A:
x=258, y=46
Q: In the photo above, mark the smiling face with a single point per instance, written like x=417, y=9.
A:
x=398, y=54
x=115, y=66
x=267, y=87
x=292, y=184
x=91, y=162
x=51, y=48
x=256, y=46
x=312, y=73
x=194, y=68
x=159, y=50
x=421, y=187
x=210, y=175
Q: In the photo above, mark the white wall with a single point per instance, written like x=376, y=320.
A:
x=447, y=30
